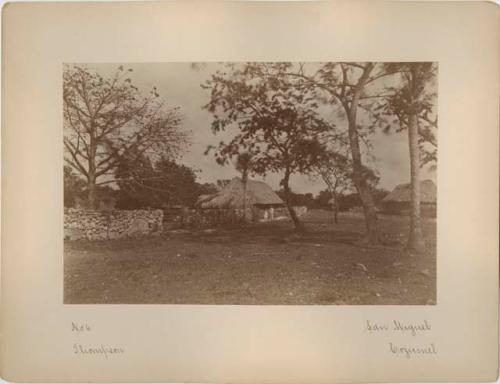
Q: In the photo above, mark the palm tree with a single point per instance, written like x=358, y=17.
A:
x=412, y=103
x=244, y=166
x=418, y=76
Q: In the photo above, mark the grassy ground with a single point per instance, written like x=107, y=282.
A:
x=265, y=263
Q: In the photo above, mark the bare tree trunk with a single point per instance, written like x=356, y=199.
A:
x=336, y=212
x=244, y=179
x=415, y=239
x=335, y=206
x=91, y=189
x=286, y=188
x=371, y=220
x=91, y=178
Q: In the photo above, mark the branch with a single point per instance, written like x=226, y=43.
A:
x=79, y=167
x=426, y=119
x=357, y=65
x=383, y=74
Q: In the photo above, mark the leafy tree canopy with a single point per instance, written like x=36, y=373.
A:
x=108, y=118
x=159, y=185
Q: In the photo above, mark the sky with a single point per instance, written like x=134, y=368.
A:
x=179, y=84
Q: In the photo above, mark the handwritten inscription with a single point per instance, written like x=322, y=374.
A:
x=413, y=330
x=80, y=327
x=95, y=349
x=398, y=326
x=100, y=350
x=410, y=351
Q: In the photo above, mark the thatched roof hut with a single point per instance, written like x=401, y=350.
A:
x=398, y=201
x=402, y=193
x=258, y=194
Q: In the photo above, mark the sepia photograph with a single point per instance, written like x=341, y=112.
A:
x=250, y=183
x=250, y=192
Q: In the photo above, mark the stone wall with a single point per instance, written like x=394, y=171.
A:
x=114, y=224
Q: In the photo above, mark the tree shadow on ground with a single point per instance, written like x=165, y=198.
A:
x=284, y=233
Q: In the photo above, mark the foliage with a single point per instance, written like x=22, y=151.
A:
x=207, y=189
x=160, y=185
x=221, y=183
x=344, y=86
x=412, y=103
x=415, y=93
x=74, y=186
x=352, y=200
x=277, y=120
x=107, y=119
x=352, y=91
x=335, y=170
x=322, y=200
x=298, y=199
x=244, y=165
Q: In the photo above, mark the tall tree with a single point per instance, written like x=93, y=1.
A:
x=413, y=102
x=345, y=85
x=108, y=118
x=336, y=172
x=278, y=120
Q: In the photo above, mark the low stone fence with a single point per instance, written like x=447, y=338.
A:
x=114, y=224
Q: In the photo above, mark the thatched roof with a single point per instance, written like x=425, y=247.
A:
x=231, y=196
x=402, y=193
x=203, y=198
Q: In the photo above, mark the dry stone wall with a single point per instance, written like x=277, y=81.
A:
x=114, y=224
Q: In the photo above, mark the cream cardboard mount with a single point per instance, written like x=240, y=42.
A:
x=246, y=298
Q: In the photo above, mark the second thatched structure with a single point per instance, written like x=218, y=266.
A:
x=399, y=200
